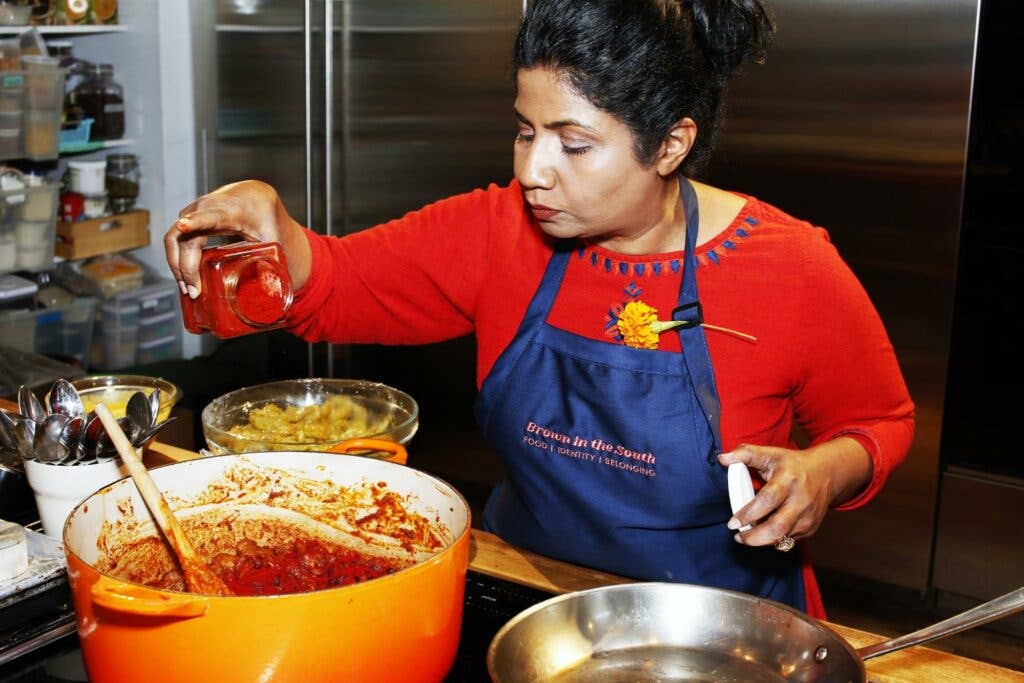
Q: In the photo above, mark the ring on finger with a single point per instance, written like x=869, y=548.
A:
x=785, y=544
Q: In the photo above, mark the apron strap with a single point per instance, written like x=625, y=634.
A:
x=696, y=356
x=544, y=297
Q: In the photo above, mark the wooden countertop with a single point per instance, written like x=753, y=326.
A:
x=492, y=556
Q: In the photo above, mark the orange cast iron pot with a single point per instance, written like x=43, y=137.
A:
x=403, y=627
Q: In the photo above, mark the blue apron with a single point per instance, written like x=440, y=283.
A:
x=611, y=451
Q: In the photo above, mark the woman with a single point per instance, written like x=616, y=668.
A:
x=637, y=331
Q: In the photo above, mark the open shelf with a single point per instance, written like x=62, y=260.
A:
x=77, y=29
x=86, y=147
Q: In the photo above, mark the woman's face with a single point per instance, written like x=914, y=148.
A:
x=576, y=165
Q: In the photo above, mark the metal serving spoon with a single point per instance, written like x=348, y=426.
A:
x=139, y=411
x=64, y=400
x=46, y=441
x=29, y=405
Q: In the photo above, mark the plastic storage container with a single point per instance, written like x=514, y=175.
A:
x=41, y=133
x=11, y=142
x=43, y=106
x=28, y=224
x=156, y=350
x=44, y=82
x=136, y=325
x=64, y=331
x=10, y=54
x=12, y=92
x=159, y=326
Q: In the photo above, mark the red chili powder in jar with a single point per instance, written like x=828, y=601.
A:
x=260, y=295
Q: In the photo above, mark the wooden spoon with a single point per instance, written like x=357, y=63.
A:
x=198, y=576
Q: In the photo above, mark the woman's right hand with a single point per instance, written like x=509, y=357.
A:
x=249, y=209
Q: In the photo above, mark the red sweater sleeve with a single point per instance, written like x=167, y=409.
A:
x=851, y=383
x=413, y=280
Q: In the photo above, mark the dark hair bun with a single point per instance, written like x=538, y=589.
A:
x=730, y=32
x=649, y=63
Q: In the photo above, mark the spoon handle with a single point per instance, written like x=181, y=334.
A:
x=200, y=579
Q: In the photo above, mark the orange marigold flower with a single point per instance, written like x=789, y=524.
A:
x=636, y=325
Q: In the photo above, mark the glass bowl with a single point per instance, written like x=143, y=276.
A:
x=115, y=390
x=308, y=415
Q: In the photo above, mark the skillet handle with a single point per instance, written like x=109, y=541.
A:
x=397, y=450
x=1003, y=606
x=127, y=598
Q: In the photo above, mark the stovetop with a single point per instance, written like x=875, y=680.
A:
x=47, y=617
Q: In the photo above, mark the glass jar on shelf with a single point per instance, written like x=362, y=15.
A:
x=122, y=181
x=102, y=99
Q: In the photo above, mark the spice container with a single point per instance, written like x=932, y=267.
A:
x=104, y=11
x=43, y=11
x=87, y=177
x=102, y=99
x=122, y=181
x=246, y=288
x=94, y=206
x=72, y=206
x=72, y=11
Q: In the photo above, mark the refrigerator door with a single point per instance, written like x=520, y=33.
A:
x=424, y=107
x=259, y=115
x=250, y=79
x=857, y=122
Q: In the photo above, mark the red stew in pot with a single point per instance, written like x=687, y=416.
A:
x=293, y=564
x=300, y=566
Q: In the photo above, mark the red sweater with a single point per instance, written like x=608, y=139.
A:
x=471, y=263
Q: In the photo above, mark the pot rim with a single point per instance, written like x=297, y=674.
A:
x=503, y=632
x=405, y=571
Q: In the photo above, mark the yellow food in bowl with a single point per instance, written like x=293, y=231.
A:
x=336, y=419
x=116, y=399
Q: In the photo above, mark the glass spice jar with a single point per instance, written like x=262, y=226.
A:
x=246, y=288
x=122, y=180
x=102, y=99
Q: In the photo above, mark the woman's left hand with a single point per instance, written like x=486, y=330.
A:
x=800, y=487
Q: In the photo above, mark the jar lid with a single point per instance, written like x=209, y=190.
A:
x=121, y=158
x=88, y=165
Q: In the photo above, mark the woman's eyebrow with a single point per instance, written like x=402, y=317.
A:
x=554, y=125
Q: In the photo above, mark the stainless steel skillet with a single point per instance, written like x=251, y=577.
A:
x=677, y=632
